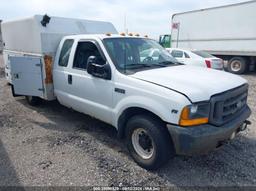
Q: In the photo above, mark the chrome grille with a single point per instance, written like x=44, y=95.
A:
x=228, y=105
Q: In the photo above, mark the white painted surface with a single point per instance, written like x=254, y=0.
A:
x=26, y=75
x=199, y=84
x=28, y=35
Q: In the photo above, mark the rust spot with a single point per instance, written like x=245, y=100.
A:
x=48, y=69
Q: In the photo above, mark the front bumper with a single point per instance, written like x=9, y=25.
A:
x=204, y=138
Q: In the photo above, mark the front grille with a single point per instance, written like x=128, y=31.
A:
x=228, y=105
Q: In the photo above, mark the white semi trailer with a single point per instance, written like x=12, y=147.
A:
x=228, y=32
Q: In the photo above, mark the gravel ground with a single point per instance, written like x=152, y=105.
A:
x=51, y=145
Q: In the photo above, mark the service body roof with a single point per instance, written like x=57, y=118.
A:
x=28, y=35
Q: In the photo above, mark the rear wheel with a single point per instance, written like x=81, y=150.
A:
x=33, y=101
x=237, y=65
x=148, y=142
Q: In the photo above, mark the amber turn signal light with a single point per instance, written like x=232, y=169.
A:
x=186, y=121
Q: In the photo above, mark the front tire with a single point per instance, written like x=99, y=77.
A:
x=33, y=101
x=148, y=141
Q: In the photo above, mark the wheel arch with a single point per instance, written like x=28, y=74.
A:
x=130, y=112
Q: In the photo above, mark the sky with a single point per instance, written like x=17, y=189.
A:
x=146, y=17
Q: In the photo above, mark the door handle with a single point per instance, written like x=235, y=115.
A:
x=69, y=79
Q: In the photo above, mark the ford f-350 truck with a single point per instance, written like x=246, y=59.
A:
x=160, y=107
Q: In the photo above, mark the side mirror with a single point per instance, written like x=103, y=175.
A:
x=99, y=70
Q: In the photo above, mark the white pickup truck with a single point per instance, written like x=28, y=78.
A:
x=159, y=106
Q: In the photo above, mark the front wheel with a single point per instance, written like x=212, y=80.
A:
x=148, y=142
x=33, y=101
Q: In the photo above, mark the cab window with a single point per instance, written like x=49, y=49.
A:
x=83, y=52
x=65, y=52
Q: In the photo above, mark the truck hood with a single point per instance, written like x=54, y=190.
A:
x=198, y=84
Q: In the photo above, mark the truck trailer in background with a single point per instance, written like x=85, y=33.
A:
x=228, y=32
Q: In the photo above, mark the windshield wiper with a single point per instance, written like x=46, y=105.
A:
x=142, y=65
x=170, y=62
x=138, y=65
x=152, y=65
x=160, y=64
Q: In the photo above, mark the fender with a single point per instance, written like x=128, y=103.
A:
x=159, y=109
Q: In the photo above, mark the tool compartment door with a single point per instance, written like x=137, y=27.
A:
x=26, y=74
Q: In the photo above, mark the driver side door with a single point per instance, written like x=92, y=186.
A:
x=91, y=95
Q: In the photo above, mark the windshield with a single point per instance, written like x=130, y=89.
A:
x=134, y=54
x=203, y=54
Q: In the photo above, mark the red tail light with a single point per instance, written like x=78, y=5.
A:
x=208, y=63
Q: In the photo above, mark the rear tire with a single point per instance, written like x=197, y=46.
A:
x=33, y=101
x=237, y=65
x=148, y=142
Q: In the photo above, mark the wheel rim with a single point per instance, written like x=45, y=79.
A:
x=142, y=143
x=235, y=66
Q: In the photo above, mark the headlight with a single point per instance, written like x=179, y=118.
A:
x=195, y=114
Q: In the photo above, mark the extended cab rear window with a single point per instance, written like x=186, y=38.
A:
x=65, y=52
